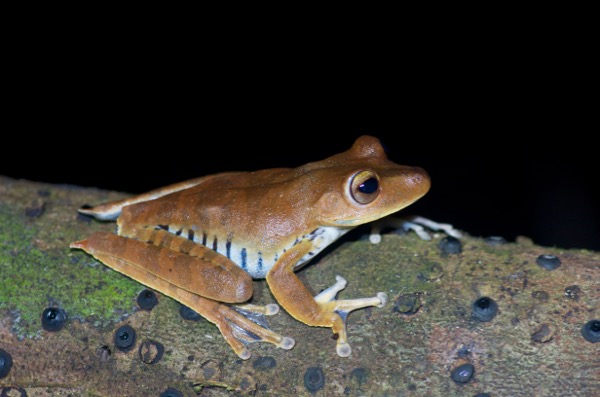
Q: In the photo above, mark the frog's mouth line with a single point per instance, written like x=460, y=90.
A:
x=354, y=223
x=363, y=220
x=358, y=222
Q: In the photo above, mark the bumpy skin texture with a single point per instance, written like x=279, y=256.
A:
x=202, y=241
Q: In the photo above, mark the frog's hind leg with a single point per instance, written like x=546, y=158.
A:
x=154, y=267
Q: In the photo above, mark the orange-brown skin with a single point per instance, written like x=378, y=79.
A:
x=267, y=222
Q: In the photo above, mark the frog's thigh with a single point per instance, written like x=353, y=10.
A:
x=213, y=278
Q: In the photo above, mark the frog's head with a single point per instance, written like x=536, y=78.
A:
x=361, y=185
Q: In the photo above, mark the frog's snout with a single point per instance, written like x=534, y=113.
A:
x=419, y=179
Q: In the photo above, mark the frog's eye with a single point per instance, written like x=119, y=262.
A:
x=364, y=187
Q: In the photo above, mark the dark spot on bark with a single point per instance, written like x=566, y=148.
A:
x=171, y=392
x=573, y=292
x=549, y=262
x=189, y=314
x=450, y=245
x=264, y=363
x=542, y=335
x=360, y=375
x=407, y=304
x=209, y=372
x=591, y=331
x=463, y=373
x=212, y=369
x=464, y=352
x=53, y=319
x=433, y=273
x=245, y=384
x=147, y=299
x=484, y=309
x=103, y=353
x=314, y=379
x=540, y=295
x=5, y=363
x=151, y=351
x=125, y=338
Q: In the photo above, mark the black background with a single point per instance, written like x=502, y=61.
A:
x=506, y=132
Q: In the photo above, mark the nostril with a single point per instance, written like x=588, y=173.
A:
x=420, y=178
x=419, y=172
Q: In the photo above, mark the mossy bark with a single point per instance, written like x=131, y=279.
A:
x=532, y=347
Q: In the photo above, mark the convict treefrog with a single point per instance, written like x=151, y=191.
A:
x=202, y=241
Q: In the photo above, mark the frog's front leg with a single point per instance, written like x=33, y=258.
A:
x=199, y=282
x=321, y=310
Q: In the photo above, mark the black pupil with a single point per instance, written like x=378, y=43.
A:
x=51, y=314
x=595, y=326
x=369, y=186
x=124, y=335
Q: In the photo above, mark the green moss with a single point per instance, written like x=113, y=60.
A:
x=384, y=267
x=33, y=278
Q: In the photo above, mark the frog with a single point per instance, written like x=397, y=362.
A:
x=203, y=241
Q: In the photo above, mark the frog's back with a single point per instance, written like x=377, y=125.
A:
x=247, y=217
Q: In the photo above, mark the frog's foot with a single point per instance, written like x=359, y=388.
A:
x=418, y=224
x=240, y=327
x=256, y=314
x=328, y=304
